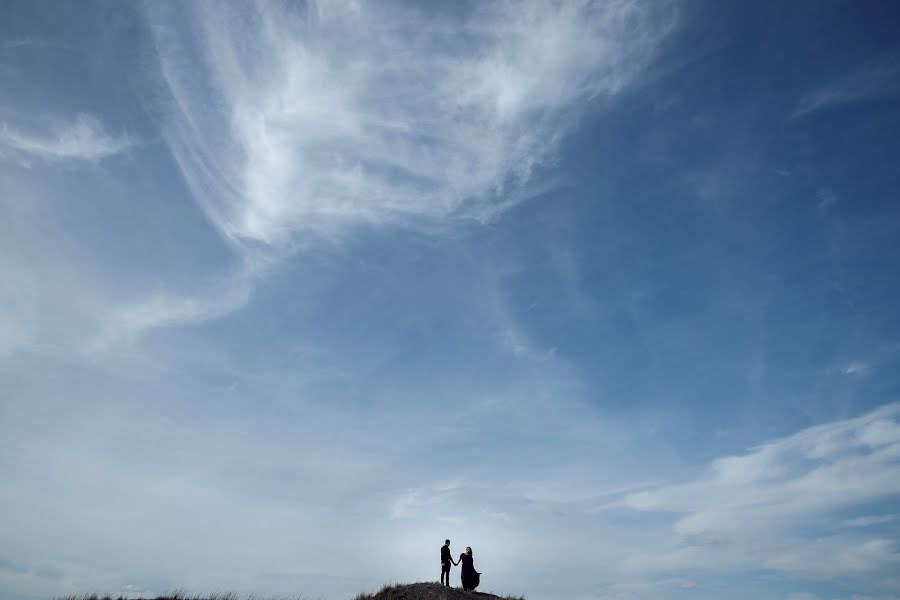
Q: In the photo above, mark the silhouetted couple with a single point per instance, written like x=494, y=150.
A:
x=470, y=577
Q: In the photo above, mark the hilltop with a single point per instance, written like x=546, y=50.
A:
x=429, y=591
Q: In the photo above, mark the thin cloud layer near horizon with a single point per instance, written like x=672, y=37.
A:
x=292, y=292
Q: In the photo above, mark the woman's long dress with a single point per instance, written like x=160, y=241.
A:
x=470, y=577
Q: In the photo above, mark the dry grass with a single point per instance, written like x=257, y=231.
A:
x=179, y=595
x=391, y=591
x=428, y=591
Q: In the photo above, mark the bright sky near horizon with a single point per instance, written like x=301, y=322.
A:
x=292, y=292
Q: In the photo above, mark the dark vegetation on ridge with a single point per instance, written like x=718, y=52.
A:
x=180, y=596
x=410, y=591
x=429, y=591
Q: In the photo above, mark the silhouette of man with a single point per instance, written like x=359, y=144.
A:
x=446, y=561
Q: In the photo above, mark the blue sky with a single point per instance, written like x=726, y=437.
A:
x=608, y=292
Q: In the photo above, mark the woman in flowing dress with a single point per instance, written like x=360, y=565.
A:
x=470, y=577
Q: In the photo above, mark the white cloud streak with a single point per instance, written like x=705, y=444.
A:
x=878, y=82
x=83, y=139
x=128, y=321
x=870, y=520
x=312, y=121
x=811, y=596
x=57, y=302
x=751, y=510
x=857, y=368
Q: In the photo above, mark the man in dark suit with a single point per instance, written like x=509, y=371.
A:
x=446, y=561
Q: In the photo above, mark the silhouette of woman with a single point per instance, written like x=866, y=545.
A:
x=470, y=577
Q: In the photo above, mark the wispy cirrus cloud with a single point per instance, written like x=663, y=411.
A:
x=128, y=321
x=85, y=138
x=348, y=113
x=857, y=368
x=811, y=596
x=873, y=82
x=291, y=126
x=29, y=42
x=750, y=511
x=870, y=520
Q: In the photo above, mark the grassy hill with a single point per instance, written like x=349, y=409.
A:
x=409, y=591
x=429, y=591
